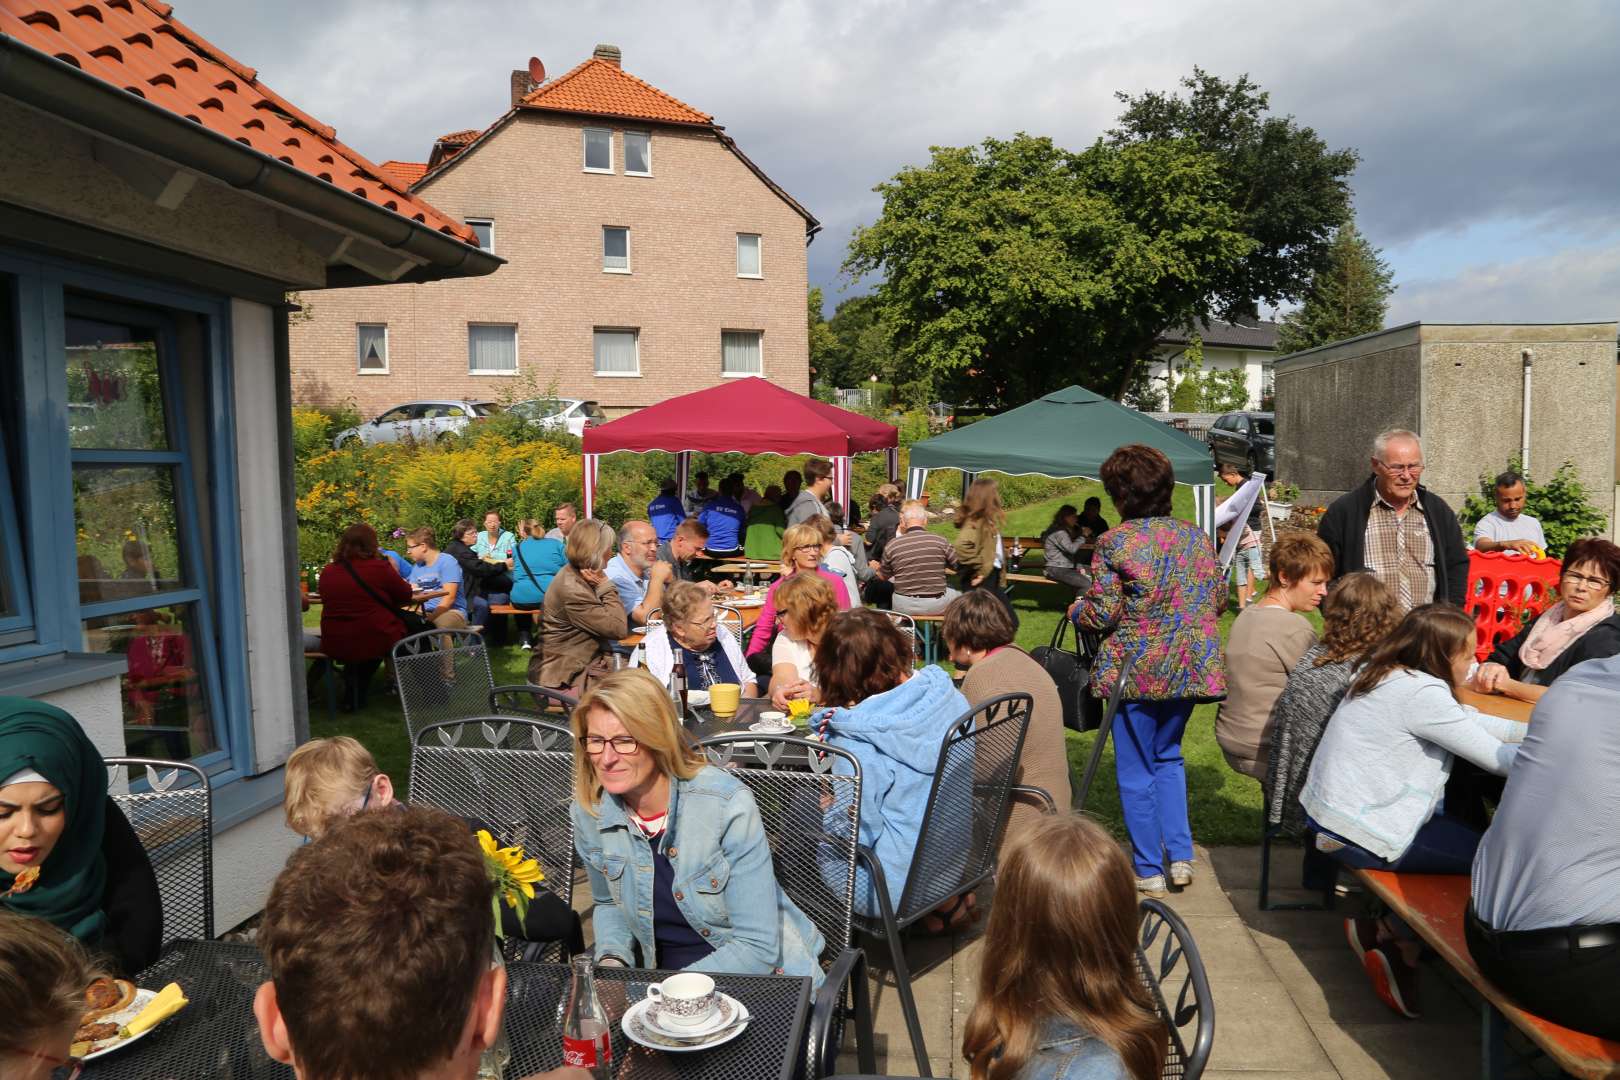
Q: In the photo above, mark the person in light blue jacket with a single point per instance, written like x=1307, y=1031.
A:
x=675, y=850
x=1374, y=792
x=894, y=721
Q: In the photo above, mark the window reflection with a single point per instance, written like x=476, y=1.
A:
x=165, y=704
x=115, y=394
x=128, y=539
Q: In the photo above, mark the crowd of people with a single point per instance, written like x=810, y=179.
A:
x=1358, y=737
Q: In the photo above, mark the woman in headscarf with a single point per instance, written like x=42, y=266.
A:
x=67, y=853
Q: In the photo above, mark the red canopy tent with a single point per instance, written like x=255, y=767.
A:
x=744, y=416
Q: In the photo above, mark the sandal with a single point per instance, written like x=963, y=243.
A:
x=944, y=919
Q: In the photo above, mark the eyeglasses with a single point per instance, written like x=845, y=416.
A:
x=1582, y=580
x=706, y=624
x=67, y=1068
x=624, y=745
x=808, y=547
x=1401, y=470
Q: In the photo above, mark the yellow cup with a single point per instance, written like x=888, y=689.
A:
x=724, y=698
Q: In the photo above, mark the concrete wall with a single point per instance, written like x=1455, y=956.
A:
x=683, y=289
x=1332, y=401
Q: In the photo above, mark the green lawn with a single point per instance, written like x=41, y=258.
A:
x=1224, y=806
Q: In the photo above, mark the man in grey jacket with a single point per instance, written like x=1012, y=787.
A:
x=817, y=484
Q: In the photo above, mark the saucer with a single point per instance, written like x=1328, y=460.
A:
x=725, y=1013
x=639, y=1031
x=765, y=727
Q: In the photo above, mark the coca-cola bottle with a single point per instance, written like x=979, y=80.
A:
x=586, y=1040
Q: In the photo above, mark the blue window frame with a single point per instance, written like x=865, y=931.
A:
x=121, y=438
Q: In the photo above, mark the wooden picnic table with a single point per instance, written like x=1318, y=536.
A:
x=1496, y=704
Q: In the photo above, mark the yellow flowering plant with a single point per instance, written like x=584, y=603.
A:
x=514, y=875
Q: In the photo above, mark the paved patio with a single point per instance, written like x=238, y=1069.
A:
x=1290, y=999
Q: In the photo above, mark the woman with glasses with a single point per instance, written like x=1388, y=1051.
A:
x=43, y=973
x=690, y=636
x=802, y=548
x=680, y=870
x=1582, y=625
x=67, y=853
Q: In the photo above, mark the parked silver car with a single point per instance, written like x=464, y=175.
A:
x=421, y=421
x=571, y=414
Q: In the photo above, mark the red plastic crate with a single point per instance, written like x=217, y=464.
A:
x=1505, y=589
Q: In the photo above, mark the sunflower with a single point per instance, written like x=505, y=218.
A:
x=513, y=874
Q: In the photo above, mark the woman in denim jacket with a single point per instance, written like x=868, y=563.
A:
x=1065, y=889
x=674, y=848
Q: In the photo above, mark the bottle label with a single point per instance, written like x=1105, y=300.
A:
x=588, y=1053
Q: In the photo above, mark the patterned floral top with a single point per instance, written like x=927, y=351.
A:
x=1157, y=585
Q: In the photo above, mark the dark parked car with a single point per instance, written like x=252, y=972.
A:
x=1247, y=440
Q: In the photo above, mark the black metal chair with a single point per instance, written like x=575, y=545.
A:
x=730, y=620
x=512, y=774
x=1104, y=729
x=812, y=822
x=442, y=675
x=1167, y=953
x=961, y=832
x=171, y=810
x=532, y=703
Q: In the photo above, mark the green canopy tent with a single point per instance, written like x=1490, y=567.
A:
x=1067, y=433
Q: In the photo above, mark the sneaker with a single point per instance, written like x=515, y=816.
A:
x=523, y=643
x=1362, y=935
x=1152, y=886
x=1393, y=981
x=1181, y=873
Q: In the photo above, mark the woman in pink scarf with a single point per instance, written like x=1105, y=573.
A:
x=1582, y=625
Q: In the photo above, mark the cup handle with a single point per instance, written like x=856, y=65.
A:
x=655, y=992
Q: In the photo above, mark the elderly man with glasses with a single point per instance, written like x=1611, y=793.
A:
x=1399, y=530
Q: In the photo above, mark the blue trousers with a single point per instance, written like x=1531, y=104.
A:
x=1153, y=781
x=1444, y=845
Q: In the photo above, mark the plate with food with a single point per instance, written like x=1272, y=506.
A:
x=117, y=1013
x=745, y=601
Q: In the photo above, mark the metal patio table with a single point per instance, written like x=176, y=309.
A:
x=216, y=1035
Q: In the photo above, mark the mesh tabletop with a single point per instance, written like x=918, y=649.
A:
x=216, y=1035
x=703, y=724
x=772, y=1045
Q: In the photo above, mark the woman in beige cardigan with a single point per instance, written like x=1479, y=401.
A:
x=582, y=615
x=1266, y=641
x=978, y=637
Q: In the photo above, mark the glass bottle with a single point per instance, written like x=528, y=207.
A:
x=587, y=1041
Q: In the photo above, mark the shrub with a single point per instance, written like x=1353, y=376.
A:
x=1562, y=505
x=310, y=433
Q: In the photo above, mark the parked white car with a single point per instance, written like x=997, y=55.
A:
x=423, y=421
x=568, y=413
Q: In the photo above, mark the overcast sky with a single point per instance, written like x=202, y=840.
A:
x=1490, y=169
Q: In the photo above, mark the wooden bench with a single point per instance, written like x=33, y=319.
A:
x=928, y=629
x=1435, y=906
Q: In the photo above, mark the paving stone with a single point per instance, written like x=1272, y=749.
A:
x=1329, y=984
x=1257, y=1027
x=1403, y=1050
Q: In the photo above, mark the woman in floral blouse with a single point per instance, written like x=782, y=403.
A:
x=1157, y=590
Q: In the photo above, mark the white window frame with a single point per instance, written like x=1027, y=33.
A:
x=635, y=337
x=517, y=363
x=759, y=337
x=626, y=136
x=584, y=151
x=625, y=269
x=469, y=222
x=385, y=357
x=759, y=248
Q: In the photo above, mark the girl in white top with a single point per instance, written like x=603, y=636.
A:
x=805, y=606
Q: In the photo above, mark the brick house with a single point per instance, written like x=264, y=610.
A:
x=647, y=256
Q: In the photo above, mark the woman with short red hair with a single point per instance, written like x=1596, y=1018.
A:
x=361, y=594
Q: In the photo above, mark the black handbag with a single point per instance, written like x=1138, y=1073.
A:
x=1071, y=671
x=415, y=623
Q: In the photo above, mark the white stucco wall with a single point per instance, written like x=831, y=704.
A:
x=246, y=862
x=270, y=662
x=99, y=710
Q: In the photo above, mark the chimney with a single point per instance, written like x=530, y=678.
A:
x=522, y=84
x=609, y=54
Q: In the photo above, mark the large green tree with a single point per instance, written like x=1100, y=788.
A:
x=1014, y=267
x=1347, y=296
x=823, y=345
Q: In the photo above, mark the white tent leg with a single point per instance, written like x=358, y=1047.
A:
x=892, y=454
x=916, y=481
x=683, y=472
x=841, y=478
x=589, y=463
x=1204, y=507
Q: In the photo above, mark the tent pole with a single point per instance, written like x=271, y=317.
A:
x=967, y=482
x=588, y=482
x=1204, y=507
x=916, y=482
x=893, y=456
x=841, y=479
x=683, y=472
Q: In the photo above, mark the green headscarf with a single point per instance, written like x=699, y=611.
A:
x=73, y=878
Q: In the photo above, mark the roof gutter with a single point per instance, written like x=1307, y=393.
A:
x=91, y=103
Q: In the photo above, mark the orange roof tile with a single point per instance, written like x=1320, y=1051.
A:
x=605, y=89
x=460, y=138
x=138, y=46
x=404, y=173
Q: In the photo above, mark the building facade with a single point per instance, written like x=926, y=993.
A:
x=156, y=204
x=1226, y=346
x=646, y=257
x=1477, y=394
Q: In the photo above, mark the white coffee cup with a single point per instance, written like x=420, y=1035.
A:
x=685, y=1000
x=774, y=719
